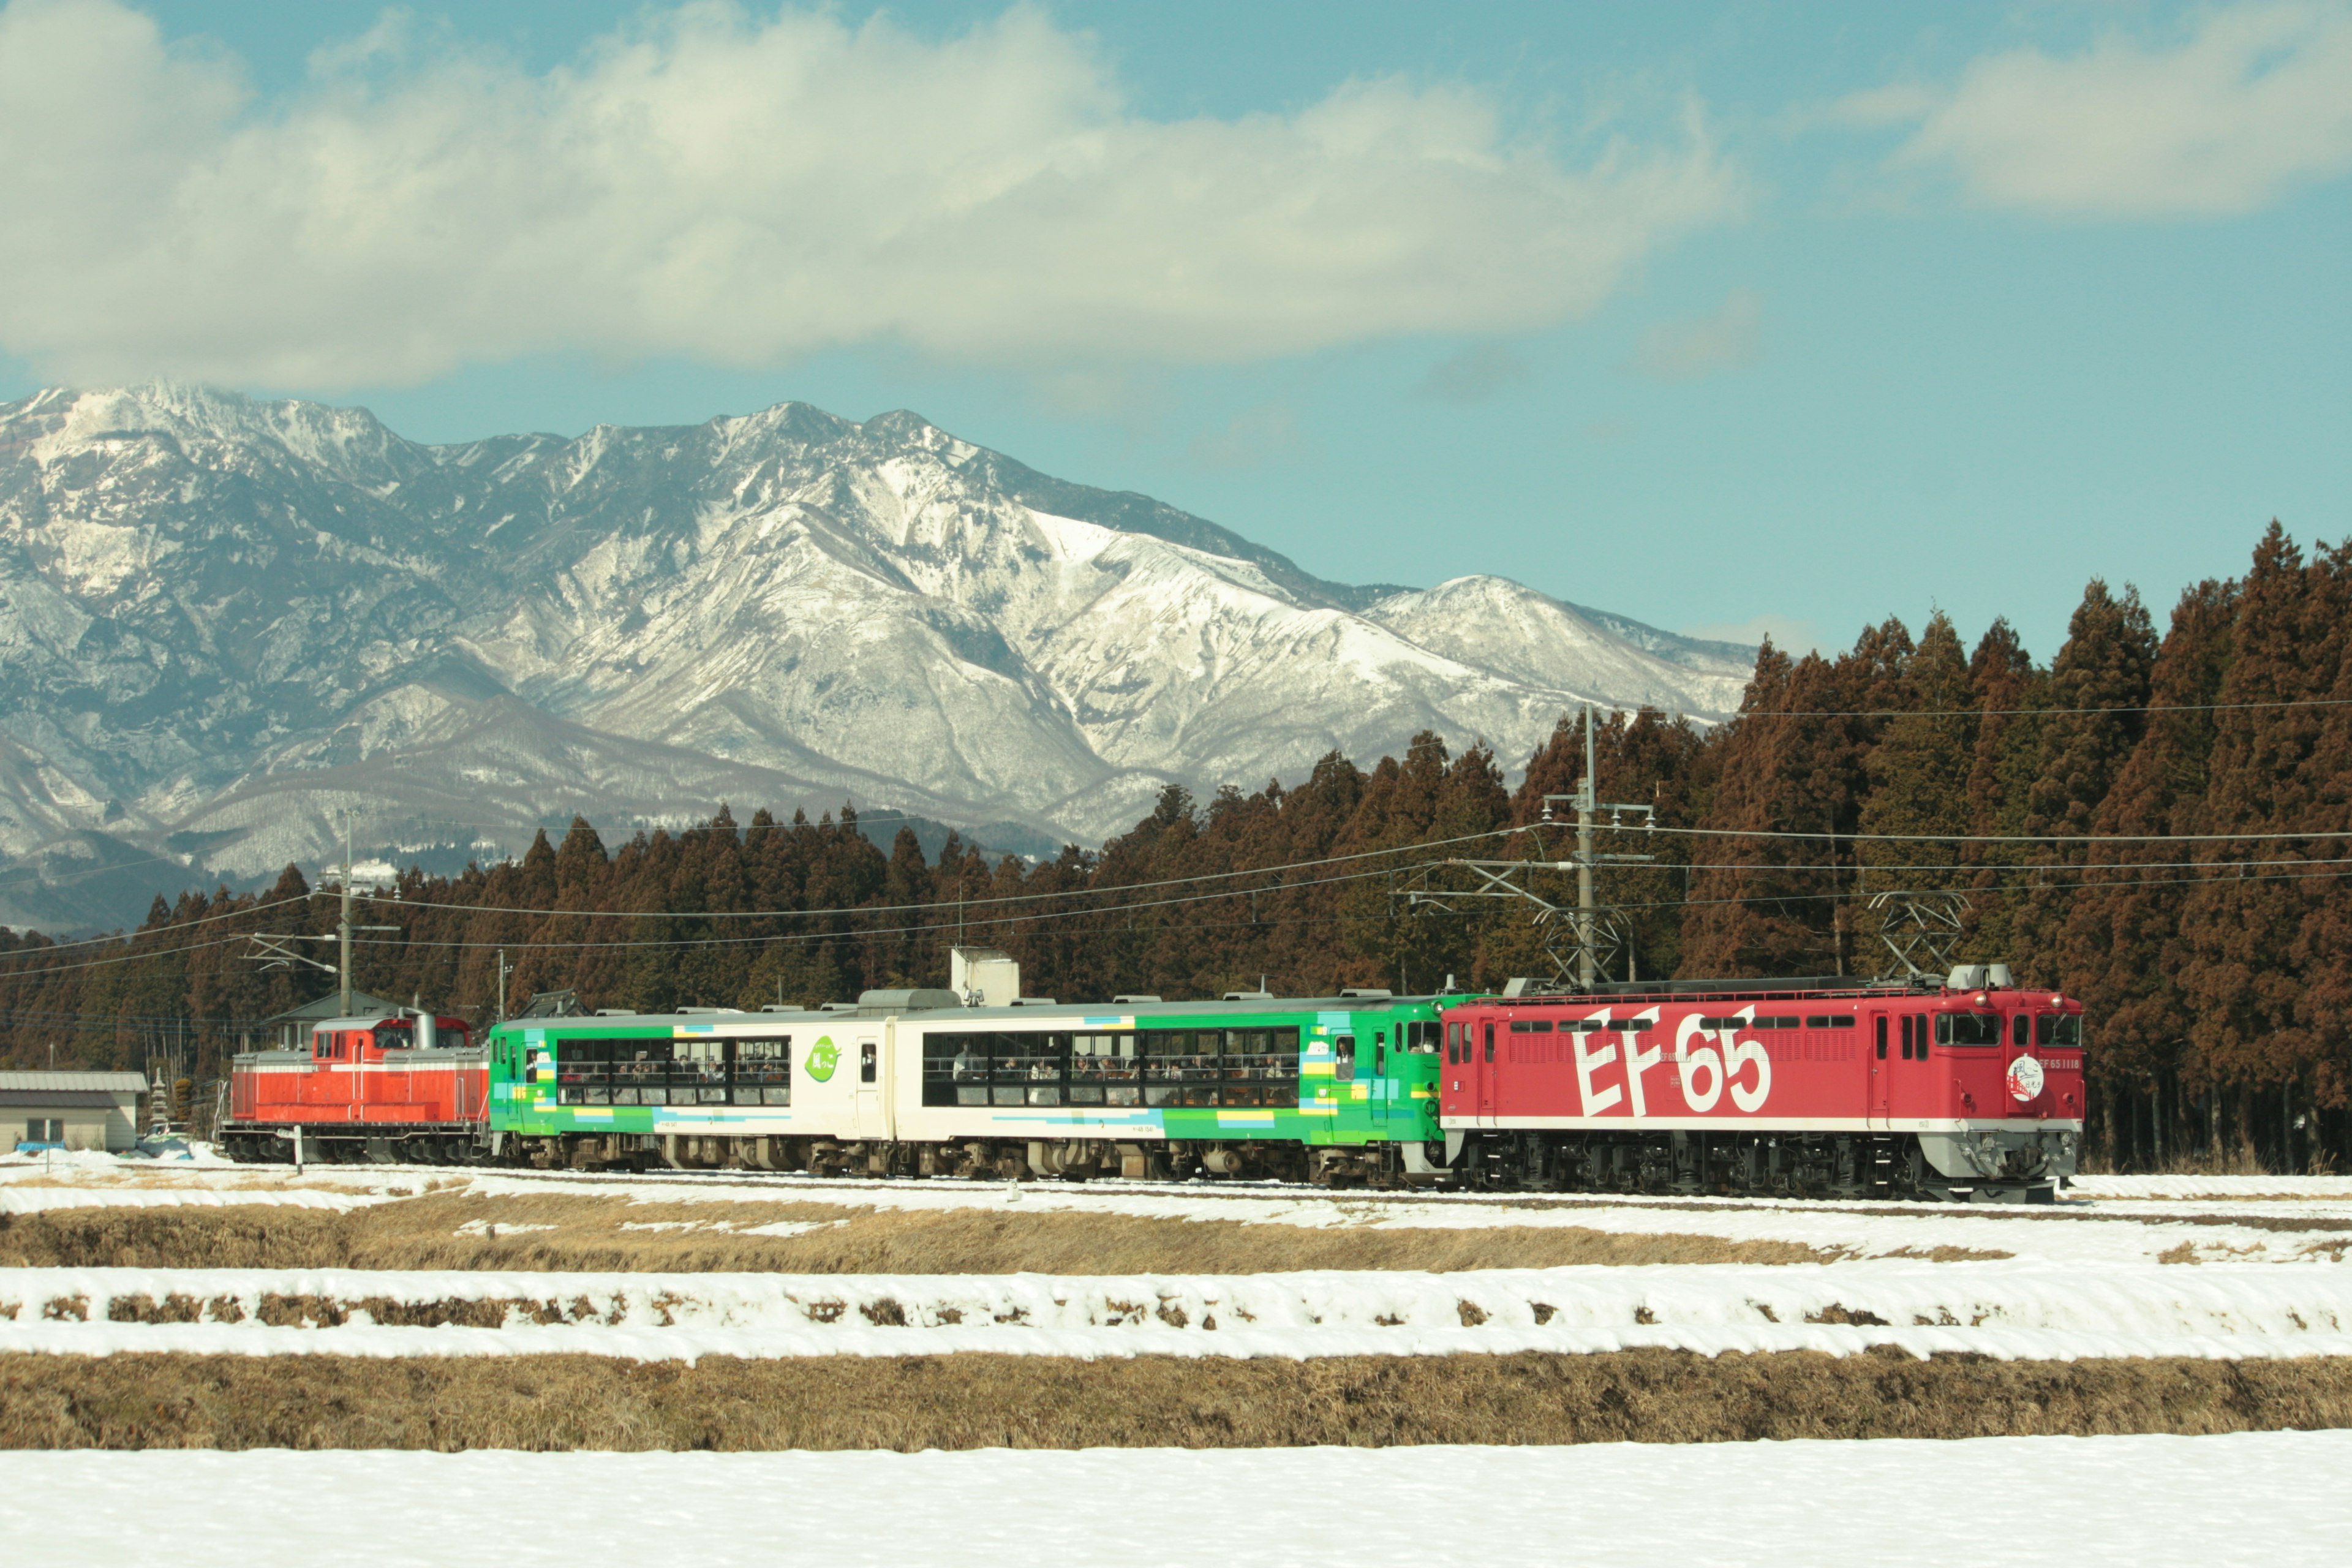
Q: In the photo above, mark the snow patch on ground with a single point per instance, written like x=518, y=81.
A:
x=2227, y=1189
x=2123, y=1219
x=2130, y=1501
x=2005, y=1310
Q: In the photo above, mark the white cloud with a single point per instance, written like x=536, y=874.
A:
x=1685, y=350
x=2256, y=101
x=741, y=189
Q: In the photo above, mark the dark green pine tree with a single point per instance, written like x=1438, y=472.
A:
x=2112, y=915
x=1774, y=899
x=2242, y=969
x=2009, y=692
x=2098, y=688
x=1919, y=798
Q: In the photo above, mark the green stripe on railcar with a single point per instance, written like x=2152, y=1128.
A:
x=1365, y=1072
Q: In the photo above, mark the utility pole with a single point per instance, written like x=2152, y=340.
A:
x=274, y=952
x=344, y=925
x=1584, y=905
x=1593, y=927
x=505, y=969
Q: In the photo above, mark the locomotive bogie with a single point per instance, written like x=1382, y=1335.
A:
x=1758, y=1165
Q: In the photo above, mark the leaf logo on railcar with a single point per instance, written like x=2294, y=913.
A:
x=823, y=1057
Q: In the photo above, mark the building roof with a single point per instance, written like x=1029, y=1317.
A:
x=330, y=1005
x=73, y=1082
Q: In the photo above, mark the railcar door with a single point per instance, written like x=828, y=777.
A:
x=1482, y=1070
x=1882, y=1070
x=870, y=1117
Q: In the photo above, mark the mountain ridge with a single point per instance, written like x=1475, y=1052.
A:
x=208, y=601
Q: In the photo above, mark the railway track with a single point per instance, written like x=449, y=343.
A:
x=793, y=1185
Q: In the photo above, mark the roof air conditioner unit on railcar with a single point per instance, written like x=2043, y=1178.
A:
x=984, y=976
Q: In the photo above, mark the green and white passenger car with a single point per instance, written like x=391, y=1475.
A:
x=1339, y=1088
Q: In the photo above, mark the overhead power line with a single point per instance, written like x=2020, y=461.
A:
x=2030, y=712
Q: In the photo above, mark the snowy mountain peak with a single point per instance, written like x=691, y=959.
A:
x=219, y=615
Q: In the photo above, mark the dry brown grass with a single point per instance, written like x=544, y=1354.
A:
x=987, y=1401
x=584, y=1234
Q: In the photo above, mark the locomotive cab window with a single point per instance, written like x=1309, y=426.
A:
x=2058, y=1029
x=2020, y=1030
x=1968, y=1028
x=1881, y=1032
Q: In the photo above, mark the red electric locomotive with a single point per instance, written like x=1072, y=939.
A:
x=1969, y=1090
x=411, y=1089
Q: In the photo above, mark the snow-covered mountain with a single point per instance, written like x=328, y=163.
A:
x=222, y=620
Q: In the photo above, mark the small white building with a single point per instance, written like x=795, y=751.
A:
x=78, y=1109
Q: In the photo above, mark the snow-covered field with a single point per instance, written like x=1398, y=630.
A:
x=2273, y=1497
x=2110, y=1219
x=2030, y=1311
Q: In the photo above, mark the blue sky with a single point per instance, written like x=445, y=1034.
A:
x=1755, y=316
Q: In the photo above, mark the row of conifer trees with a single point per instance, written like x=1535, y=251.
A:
x=2137, y=823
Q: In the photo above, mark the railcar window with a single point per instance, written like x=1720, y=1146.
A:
x=1531, y=1025
x=866, y=1052
x=763, y=1071
x=955, y=1067
x=1028, y=1070
x=1103, y=1070
x=1968, y=1028
x=1829, y=1021
x=1182, y=1067
x=1261, y=1068
x=1343, y=1059
x=2058, y=1029
x=1170, y=1067
x=640, y=1071
x=583, y=1069
x=698, y=1074
x=1454, y=1044
x=1490, y=1042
